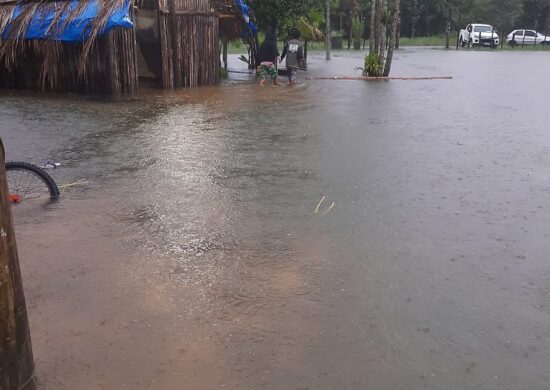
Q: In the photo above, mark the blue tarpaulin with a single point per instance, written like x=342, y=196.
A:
x=245, y=12
x=76, y=31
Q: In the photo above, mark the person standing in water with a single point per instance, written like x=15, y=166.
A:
x=294, y=53
x=267, y=57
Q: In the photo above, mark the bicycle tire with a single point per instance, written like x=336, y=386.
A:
x=36, y=171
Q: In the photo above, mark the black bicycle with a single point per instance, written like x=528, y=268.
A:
x=28, y=182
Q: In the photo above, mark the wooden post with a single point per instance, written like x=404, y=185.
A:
x=224, y=52
x=174, y=32
x=166, y=46
x=16, y=360
x=135, y=76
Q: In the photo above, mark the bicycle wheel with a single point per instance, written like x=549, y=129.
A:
x=28, y=182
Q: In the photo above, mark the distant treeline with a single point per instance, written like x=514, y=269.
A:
x=418, y=17
x=429, y=17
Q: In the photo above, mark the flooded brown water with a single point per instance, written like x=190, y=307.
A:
x=190, y=256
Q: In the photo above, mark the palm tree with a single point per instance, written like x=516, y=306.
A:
x=308, y=26
x=379, y=60
x=393, y=37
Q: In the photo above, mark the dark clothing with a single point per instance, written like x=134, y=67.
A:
x=268, y=52
x=294, y=53
x=292, y=74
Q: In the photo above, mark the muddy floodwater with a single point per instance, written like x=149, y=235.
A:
x=191, y=249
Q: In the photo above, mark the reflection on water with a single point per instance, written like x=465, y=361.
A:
x=192, y=257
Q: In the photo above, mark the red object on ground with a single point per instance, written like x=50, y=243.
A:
x=14, y=198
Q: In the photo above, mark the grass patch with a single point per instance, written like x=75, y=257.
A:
x=437, y=41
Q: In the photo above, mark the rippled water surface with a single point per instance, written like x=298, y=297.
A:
x=186, y=251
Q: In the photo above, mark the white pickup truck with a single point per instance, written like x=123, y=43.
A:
x=479, y=35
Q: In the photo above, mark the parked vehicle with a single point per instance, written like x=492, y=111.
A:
x=479, y=35
x=527, y=37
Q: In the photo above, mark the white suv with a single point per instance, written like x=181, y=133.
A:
x=479, y=35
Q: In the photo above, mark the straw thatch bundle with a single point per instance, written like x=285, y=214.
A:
x=106, y=62
x=50, y=64
x=231, y=23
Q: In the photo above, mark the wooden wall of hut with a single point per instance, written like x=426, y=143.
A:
x=48, y=66
x=189, y=39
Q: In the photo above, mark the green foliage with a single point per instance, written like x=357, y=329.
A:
x=271, y=13
x=373, y=65
x=357, y=28
x=244, y=59
x=431, y=17
x=308, y=30
x=504, y=15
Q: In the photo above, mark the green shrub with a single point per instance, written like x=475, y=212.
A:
x=373, y=66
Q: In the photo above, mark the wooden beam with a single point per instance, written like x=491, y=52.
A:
x=16, y=360
x=190, y=13
x=379, y=78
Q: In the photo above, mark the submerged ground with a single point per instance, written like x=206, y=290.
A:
x=192, y=257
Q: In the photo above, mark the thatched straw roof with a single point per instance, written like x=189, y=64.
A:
x=19, y=18
x=231, y=18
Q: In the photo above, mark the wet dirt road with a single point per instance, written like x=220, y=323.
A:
x=192, y=257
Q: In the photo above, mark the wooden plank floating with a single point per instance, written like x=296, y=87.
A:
x=365, y=78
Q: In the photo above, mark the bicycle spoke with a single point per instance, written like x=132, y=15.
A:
x=27, y=182
x=27, y=185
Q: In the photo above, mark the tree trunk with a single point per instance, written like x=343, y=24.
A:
x=393, y=35
x=350, y=22
x=16, y=361
x=373, y=42
x=427, y=19
x=448, y=30
x=398, y=37
x=328, y=31
x=382, y=27
x=414, y=18
x=459, y=26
